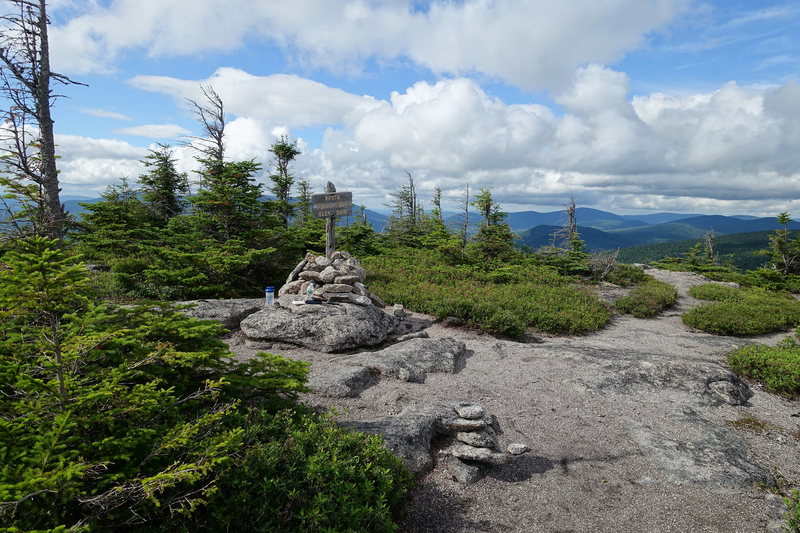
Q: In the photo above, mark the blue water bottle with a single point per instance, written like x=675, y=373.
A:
x=270, y=297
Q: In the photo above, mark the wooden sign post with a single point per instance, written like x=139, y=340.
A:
x=330, y=205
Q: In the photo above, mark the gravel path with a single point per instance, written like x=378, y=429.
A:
x=623, y=433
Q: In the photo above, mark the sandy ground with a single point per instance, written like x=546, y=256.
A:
x=608, y=453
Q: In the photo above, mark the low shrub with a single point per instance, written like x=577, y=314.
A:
x=502, y=299
x=771, y=279
x=626, y=275
x=304, y=473
x=716, y=292
x=757, y=312
x=778, y=367
x=648, y=299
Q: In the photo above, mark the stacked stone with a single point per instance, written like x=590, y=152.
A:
x=475, y=442
x=339, y=279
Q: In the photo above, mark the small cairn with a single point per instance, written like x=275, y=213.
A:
x=475, y=442
x=339, y=279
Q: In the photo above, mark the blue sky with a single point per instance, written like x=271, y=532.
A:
x=628, y=105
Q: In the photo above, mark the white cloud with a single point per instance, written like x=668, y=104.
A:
x=531, y=44
x=87, y=166
x=736, y=149
x=102, y=113
x=279, y=99
x=155, y=131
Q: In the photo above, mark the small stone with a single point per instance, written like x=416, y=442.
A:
x=360, y=300
x=296, y=271
x=329, y=274
x=464, y=424
x=337, y=287
x=310, y=275
x=323, y=262
x=398, y=311
x=452, y=321
x=461, y=471
x=339, y=297
x=517, y=448
x=481, y=455
x=291, y=288
x=347, y=280
x=470, y=411
x=485, y=438
x=376, y=301
x=361, y=273
x=417, y=335
x=360, y=289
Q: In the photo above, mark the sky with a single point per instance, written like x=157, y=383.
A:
x=630, y=106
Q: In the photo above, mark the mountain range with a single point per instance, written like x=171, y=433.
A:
x=600, y=230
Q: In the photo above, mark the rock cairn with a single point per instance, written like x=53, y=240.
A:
x=475, y=445
x=339, y=279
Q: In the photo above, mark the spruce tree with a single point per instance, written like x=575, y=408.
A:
x=163, y=187
x=282, y=179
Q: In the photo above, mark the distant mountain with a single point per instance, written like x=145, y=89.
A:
x=586, y=217
x=738, y=247
x=728, y=225
x=378, y=220
x=658, y=218
x=682, y=230
x=595, y=239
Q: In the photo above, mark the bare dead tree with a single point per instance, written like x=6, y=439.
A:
x=211, y=115
x=567, y=236
x=27, y=141
x=711, y=252
x=465, y=217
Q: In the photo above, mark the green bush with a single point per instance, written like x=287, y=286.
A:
x=755, y=313
x=771, y=279
x=625, y=275
x=777, y=367
x=716, y=292
x=138, y=418
x=648, y=299
x=304, y=473
x=502, y=299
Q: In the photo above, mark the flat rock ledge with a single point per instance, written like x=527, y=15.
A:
x=472, y=444
x=411, y=360
x=229, y=312
x=323, y=327
x=711, y=383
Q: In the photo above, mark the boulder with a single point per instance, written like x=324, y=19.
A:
x=324, y=327
x=229, y=312
x=411, y=360
x=407, y=434
x=341, y=381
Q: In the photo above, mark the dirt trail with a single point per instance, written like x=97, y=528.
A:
x=625, y=429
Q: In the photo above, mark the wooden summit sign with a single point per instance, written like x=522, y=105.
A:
x=329, y=205
x=332, y=204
